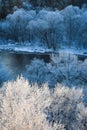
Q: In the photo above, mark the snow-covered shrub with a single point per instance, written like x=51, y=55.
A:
x=64, y=68
x=69, y=69
x=26, y=107
x=37, y=71
x=82, y=72
x=67, y=108
x=41, y=72
x=82, y=116
x=22, y=106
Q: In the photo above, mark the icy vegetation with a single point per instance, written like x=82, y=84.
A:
x=7, y=6
x=65, y=69
x=26, y=107
x=50, y=92
x=46, y=27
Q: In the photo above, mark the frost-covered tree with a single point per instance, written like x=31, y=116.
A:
x=40, y=72
x=68, y=109
x=51, y=29
x=37, y=71
x=82, y=116
x=72, y=21
x=47, y=28
x=68, y=69
x=38, y=30
x=64, y=68
x=56, y=32
x=22, y=106
x=83, y=30
x=83, y=71
x=17, y=29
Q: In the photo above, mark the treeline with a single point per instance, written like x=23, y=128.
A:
x=6, y=6
x=59, y=4
x=53, y=29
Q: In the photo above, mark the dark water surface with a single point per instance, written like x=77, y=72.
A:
x=12, y=65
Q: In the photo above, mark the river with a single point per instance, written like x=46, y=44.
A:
x=12, y=64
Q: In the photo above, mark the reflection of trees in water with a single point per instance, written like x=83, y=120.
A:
x=4, y=74
x=12, y=65
x=9, y=67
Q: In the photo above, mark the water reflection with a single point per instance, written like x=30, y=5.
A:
x=12, y=65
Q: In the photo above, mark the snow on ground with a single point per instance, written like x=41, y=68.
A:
x=79, y=52
x=24, y=49
x=12, y=48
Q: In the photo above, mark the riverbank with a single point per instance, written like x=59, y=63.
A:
x=25, y=49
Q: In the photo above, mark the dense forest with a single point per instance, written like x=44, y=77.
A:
x=6, y=6
x=52, y=24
